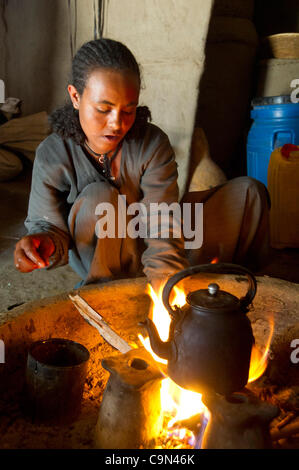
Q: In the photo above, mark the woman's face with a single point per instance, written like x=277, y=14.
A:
x=107, y=107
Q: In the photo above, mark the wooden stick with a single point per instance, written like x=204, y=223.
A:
x=97, y=321
x=289, y=430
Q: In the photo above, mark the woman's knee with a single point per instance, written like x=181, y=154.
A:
x=250, y=186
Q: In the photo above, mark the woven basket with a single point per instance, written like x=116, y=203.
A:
x=281, y=46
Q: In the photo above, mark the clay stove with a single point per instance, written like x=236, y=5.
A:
x=234, y=420
x=131, y=416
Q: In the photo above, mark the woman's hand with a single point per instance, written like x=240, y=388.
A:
x=33, y=252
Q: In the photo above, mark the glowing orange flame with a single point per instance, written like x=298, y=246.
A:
x=215, y=260
x=258, y=360
x=182, y=403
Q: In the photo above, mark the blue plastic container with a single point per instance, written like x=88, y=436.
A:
x=276, y=122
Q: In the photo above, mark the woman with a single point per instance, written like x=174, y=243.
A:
x=103, y=147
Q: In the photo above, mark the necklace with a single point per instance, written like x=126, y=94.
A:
x=104, y=161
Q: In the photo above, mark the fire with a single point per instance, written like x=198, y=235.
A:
x=182, y=403
x=160, y=316
x=258, y=360
x=176, y=402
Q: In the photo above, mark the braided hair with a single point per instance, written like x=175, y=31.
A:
x=99, y=53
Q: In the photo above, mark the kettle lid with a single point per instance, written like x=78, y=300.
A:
x=213, y=299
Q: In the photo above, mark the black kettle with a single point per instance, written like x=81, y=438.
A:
x=210, y=338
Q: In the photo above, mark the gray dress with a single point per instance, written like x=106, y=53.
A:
x=67, y=189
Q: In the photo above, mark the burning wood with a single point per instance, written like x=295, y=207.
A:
x=289, y=417
x=290, y=429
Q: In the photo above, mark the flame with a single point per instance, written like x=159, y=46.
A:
x=258, y=360
x=176, y=402
x=215, y=260
x=159, y=315
x=180, y=402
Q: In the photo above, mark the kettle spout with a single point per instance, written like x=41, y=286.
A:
x=161, y=348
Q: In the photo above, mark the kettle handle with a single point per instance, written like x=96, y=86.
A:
x=220, y=268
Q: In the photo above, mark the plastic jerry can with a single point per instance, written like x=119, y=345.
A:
x=283, y=187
